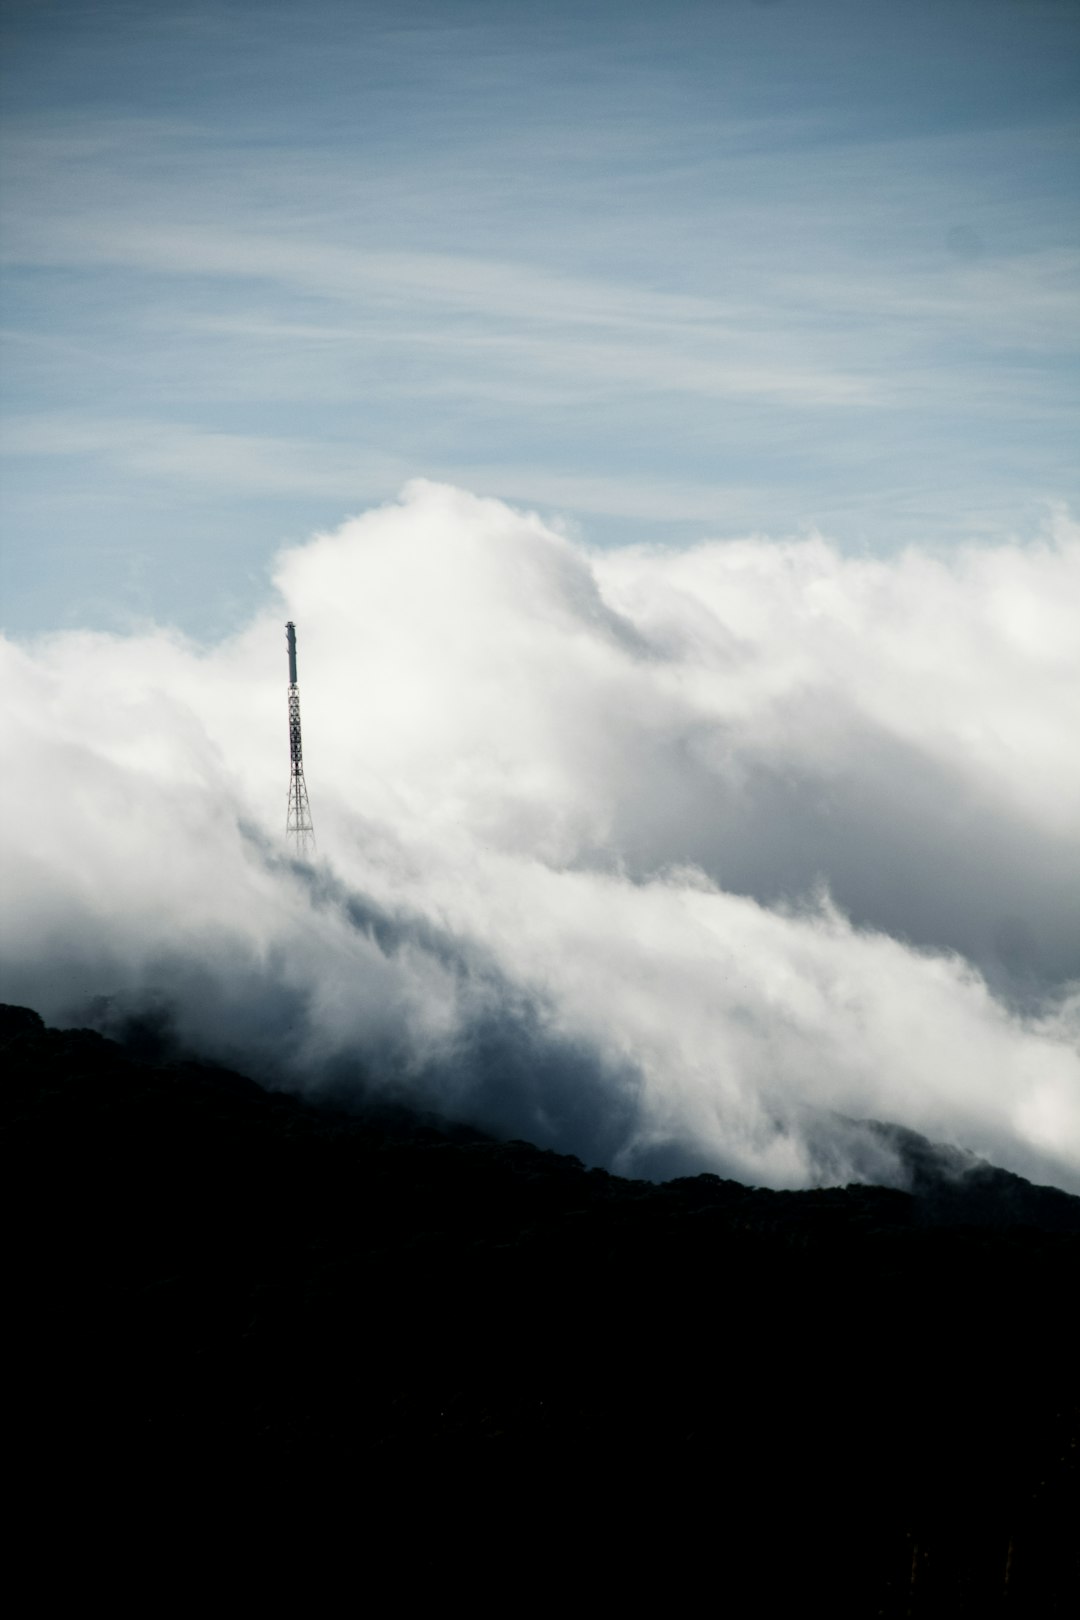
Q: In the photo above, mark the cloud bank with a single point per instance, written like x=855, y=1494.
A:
x=674, y=858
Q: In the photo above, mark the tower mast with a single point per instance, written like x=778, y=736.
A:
x=298, y=828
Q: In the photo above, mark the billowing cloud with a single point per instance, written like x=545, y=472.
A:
x=673, y=858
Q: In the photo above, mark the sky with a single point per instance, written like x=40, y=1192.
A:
x=660, y=424
x=699, y=270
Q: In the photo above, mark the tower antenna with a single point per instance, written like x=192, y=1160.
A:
x=298, y=828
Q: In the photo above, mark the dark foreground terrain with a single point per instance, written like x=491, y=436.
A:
x=492, y=1370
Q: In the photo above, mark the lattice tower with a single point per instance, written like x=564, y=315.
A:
x=298, y=825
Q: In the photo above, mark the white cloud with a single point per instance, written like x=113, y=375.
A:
x=663, y=856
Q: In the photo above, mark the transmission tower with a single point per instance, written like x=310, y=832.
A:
x=298, y=829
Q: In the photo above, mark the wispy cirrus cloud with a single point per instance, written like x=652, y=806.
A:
x=807, y=275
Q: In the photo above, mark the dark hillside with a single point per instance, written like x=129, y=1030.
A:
x=209, y=1283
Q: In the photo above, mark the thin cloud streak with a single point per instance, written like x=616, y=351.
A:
x=1028, y=299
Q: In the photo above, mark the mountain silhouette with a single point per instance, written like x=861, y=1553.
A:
x=212, y=1283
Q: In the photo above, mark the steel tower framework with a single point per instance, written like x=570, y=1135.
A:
x=298, y=827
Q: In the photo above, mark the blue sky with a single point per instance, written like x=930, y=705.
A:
x=668, y=271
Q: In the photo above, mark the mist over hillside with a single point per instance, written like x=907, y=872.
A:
x=674, y=858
